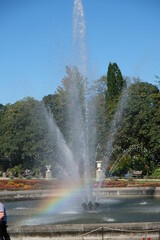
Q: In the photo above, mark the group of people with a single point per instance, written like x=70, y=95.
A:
x=3, y=223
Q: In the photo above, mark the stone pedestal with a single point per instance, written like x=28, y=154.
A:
x=48, y=172
x=99, y=174
x=48, y=175
x=4, y=175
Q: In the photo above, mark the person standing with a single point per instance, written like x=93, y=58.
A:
x=3, y=223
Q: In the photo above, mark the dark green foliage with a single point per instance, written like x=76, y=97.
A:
x=141, y=128
x=56, y=104
x=98, y=93
x=27, y=142
x=115, y=85
x=156, y=173
x=24, y=135
x=108, y=93
x=115, y=82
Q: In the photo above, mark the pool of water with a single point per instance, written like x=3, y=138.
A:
x=111, y=210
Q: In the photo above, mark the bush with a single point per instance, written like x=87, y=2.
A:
x=15, y=171
x=156, y=173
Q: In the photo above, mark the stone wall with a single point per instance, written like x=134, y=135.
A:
x=115, y=231
x=104, y=192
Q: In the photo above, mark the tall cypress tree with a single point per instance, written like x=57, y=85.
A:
x=115, y=85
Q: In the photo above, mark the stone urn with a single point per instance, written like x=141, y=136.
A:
x=99, y=172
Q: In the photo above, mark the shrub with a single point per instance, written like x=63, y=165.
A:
x=156, y=173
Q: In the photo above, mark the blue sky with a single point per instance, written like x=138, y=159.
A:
x=36, y=42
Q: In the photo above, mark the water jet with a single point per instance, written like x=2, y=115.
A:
x=90, y=206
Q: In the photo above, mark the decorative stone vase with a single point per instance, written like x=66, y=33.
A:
x=99, y=172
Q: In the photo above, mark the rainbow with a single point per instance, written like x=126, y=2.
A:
x=58, y=202
x=61, y=199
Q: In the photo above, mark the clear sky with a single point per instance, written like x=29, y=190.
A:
x=36, y=42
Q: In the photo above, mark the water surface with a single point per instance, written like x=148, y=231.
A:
x=111, y=210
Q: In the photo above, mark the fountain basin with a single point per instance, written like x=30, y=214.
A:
x=111, y=210
x=104, y=192
x=121, y=231
x=142, y=212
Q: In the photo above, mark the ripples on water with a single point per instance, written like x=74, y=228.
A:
x=141, y=209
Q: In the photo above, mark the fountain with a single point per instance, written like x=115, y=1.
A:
x=90, y=206
x=76, y=152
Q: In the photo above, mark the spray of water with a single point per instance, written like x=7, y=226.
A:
x=79, y=38
x=80, y=109
x=112, y=133
x=77, y=154
x=65, y=156
x=74, y=153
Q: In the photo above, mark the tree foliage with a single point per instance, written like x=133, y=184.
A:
x=140, y=130
x=27, y=142
x=115, y=85
x=24, y=135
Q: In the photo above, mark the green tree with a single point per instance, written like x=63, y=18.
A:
x=141, y=125
x=97, y=94
x=25, y=137
x=56, y=104
x=115, y=85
